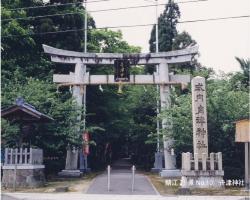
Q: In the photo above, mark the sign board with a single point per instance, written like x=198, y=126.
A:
x=242, y=131
x=122, y=70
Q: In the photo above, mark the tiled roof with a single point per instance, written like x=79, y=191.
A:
x=23, y=111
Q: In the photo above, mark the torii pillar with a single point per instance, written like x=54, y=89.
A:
x=78, y=90
x=79, y=93
x=165, y=102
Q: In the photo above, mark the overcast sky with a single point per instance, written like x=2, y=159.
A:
x=219, y=41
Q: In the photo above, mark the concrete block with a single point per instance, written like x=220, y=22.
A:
x=70, y=173
x=174, y=173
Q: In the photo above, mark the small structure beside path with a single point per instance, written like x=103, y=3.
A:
x=23, y=167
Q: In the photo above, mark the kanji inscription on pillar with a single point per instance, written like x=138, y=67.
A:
x=199, y=113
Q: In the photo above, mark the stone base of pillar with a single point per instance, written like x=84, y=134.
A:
x=83, y=163
x=205, y=172
x=202, y=179
x=156, y=170
x=158, y=164
x=85, y=170
x=70, y=173
x=171, y=173
x=26, y=176
x=184, y=191
x=246, y=189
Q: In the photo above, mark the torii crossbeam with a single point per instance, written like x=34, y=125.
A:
x=79, y=59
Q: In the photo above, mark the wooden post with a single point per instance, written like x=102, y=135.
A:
x=6, y=156
x=11, y=156
x=25, y=156
x=188, y=161
x=16, y=154
x=21, y=156
x=219, y=156
x=196, y=161
x=108, y=177
x=30, y=156
x=204, y=161
x=211, y=161
x=15, y=171
x=247, y=165
x=183, y=157
x=133, y=178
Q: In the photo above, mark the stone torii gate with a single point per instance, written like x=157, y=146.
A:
x=80, y=78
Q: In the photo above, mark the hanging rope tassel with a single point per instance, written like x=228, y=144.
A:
x=120, y=88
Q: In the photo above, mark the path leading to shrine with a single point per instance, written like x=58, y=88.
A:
x=121, y=178
x=121, y=181
x=80, y=196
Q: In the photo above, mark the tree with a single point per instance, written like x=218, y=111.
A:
x=15, y=51
x=108, y=41
x=183, y=40
x=141, y=104
x=22, y=37
x=167, y=27
x=245, y=67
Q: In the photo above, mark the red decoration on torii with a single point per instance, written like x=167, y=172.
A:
x=85, y=138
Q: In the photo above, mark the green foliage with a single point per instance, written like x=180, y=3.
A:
x=43, y=96
x=108, y=41
x=245, y=67
x=9, y=132
x=141, y=106
x=183, y=40
x=22, y=39
x=128, y=119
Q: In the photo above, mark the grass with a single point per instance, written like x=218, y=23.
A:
x=74, y=184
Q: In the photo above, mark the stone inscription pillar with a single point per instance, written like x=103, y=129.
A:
x=199, y=113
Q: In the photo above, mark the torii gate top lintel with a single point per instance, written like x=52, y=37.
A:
x=73, y=57
x=80, y=77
